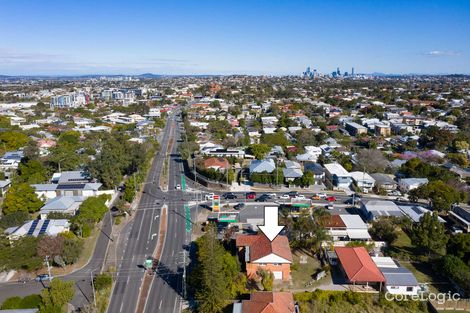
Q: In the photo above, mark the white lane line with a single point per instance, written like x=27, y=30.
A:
x=140, y=228
x=151, y=224
x=174, y=307
x=122, y=303
x=160, y=306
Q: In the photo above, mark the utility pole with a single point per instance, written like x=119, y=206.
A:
x=48, y=267
x=93, y=286
x=184, y=274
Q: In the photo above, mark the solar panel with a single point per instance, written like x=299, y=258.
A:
x=71, y=186
x=33, y=227
x=44, y=227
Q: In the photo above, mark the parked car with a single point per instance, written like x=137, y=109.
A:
x=239, y=206
x=331, y=199
x=229, y=195
x=262, y=198
x=284, y=197
x=329, y=206
x=316, y=197
x=209, y=196
x=178, y=187
x=251, y=195
x=43, y=277
x=293, y=194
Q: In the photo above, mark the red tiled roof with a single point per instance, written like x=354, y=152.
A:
x=358, y=265
x=216, y=162
x=334, y=221
x=261, y=246
x=269, y=302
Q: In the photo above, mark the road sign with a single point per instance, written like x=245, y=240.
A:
x=216, y=203
x=148, y=262
x=187, y=215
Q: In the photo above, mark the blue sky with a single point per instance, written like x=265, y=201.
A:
x=227, y=37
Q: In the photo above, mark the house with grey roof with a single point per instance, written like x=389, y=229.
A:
x=407, y=184
x=317, y=170
x=384, y=181
x=50, y=191
x=61, y=204
x=461, y=216
x=373, y=209
x=260, y=166
x=398, y=279
x=37, y=228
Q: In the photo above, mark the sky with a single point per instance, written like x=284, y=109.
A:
x=259, y=37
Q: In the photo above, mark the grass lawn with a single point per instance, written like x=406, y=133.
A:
x=301, y=273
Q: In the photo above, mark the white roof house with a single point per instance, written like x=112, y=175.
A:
x=259, y=166
x=363, y=180
x=38, y=227
x=62, y=204
x=373, y=209
x=407, y=184
x=338, y=175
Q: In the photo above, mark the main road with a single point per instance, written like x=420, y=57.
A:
x=142, y=235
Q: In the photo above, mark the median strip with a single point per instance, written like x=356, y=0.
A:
x=148, y=278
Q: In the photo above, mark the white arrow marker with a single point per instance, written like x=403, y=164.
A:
x=271, y=226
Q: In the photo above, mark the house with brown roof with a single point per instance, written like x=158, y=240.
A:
x=218, y=164
x=358, y=266
x=259, y=253
x=267, y=302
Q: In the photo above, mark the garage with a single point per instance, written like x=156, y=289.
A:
x=277, y=275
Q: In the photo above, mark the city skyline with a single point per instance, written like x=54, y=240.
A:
x=258, y=38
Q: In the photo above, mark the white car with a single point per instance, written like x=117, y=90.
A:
x=300, y=197
x=284, y=197
x=322, y=195
x=178, y=187
x=272, y=195
x=209, y=196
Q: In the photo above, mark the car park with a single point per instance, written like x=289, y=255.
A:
x=239, y=206
x=209, y=196
x=229, y=195
x=293, y=194
x=251, y=195
x=316, y=197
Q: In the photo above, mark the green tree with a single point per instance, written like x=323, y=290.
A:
x=429, y=235
x=102, y=281
x=384, y=229
x=12, y=140
x=209, y=278
x=459, y=245
x=32, y=172
x=56, y=296
x=92, y=209
x=440, y=195
x=21, y=197
x=259, y=150
x=267, y=279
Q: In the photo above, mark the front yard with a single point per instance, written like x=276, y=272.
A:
x=303, y=271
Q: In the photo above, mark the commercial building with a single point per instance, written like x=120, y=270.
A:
x=373, y=209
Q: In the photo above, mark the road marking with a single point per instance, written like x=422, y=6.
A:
x=140, y=228
x=160, y=306
x=122, y=303
x=174, y=308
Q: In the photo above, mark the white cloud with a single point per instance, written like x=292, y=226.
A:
x=442, y=53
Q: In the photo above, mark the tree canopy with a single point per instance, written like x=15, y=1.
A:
x=21, y=197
